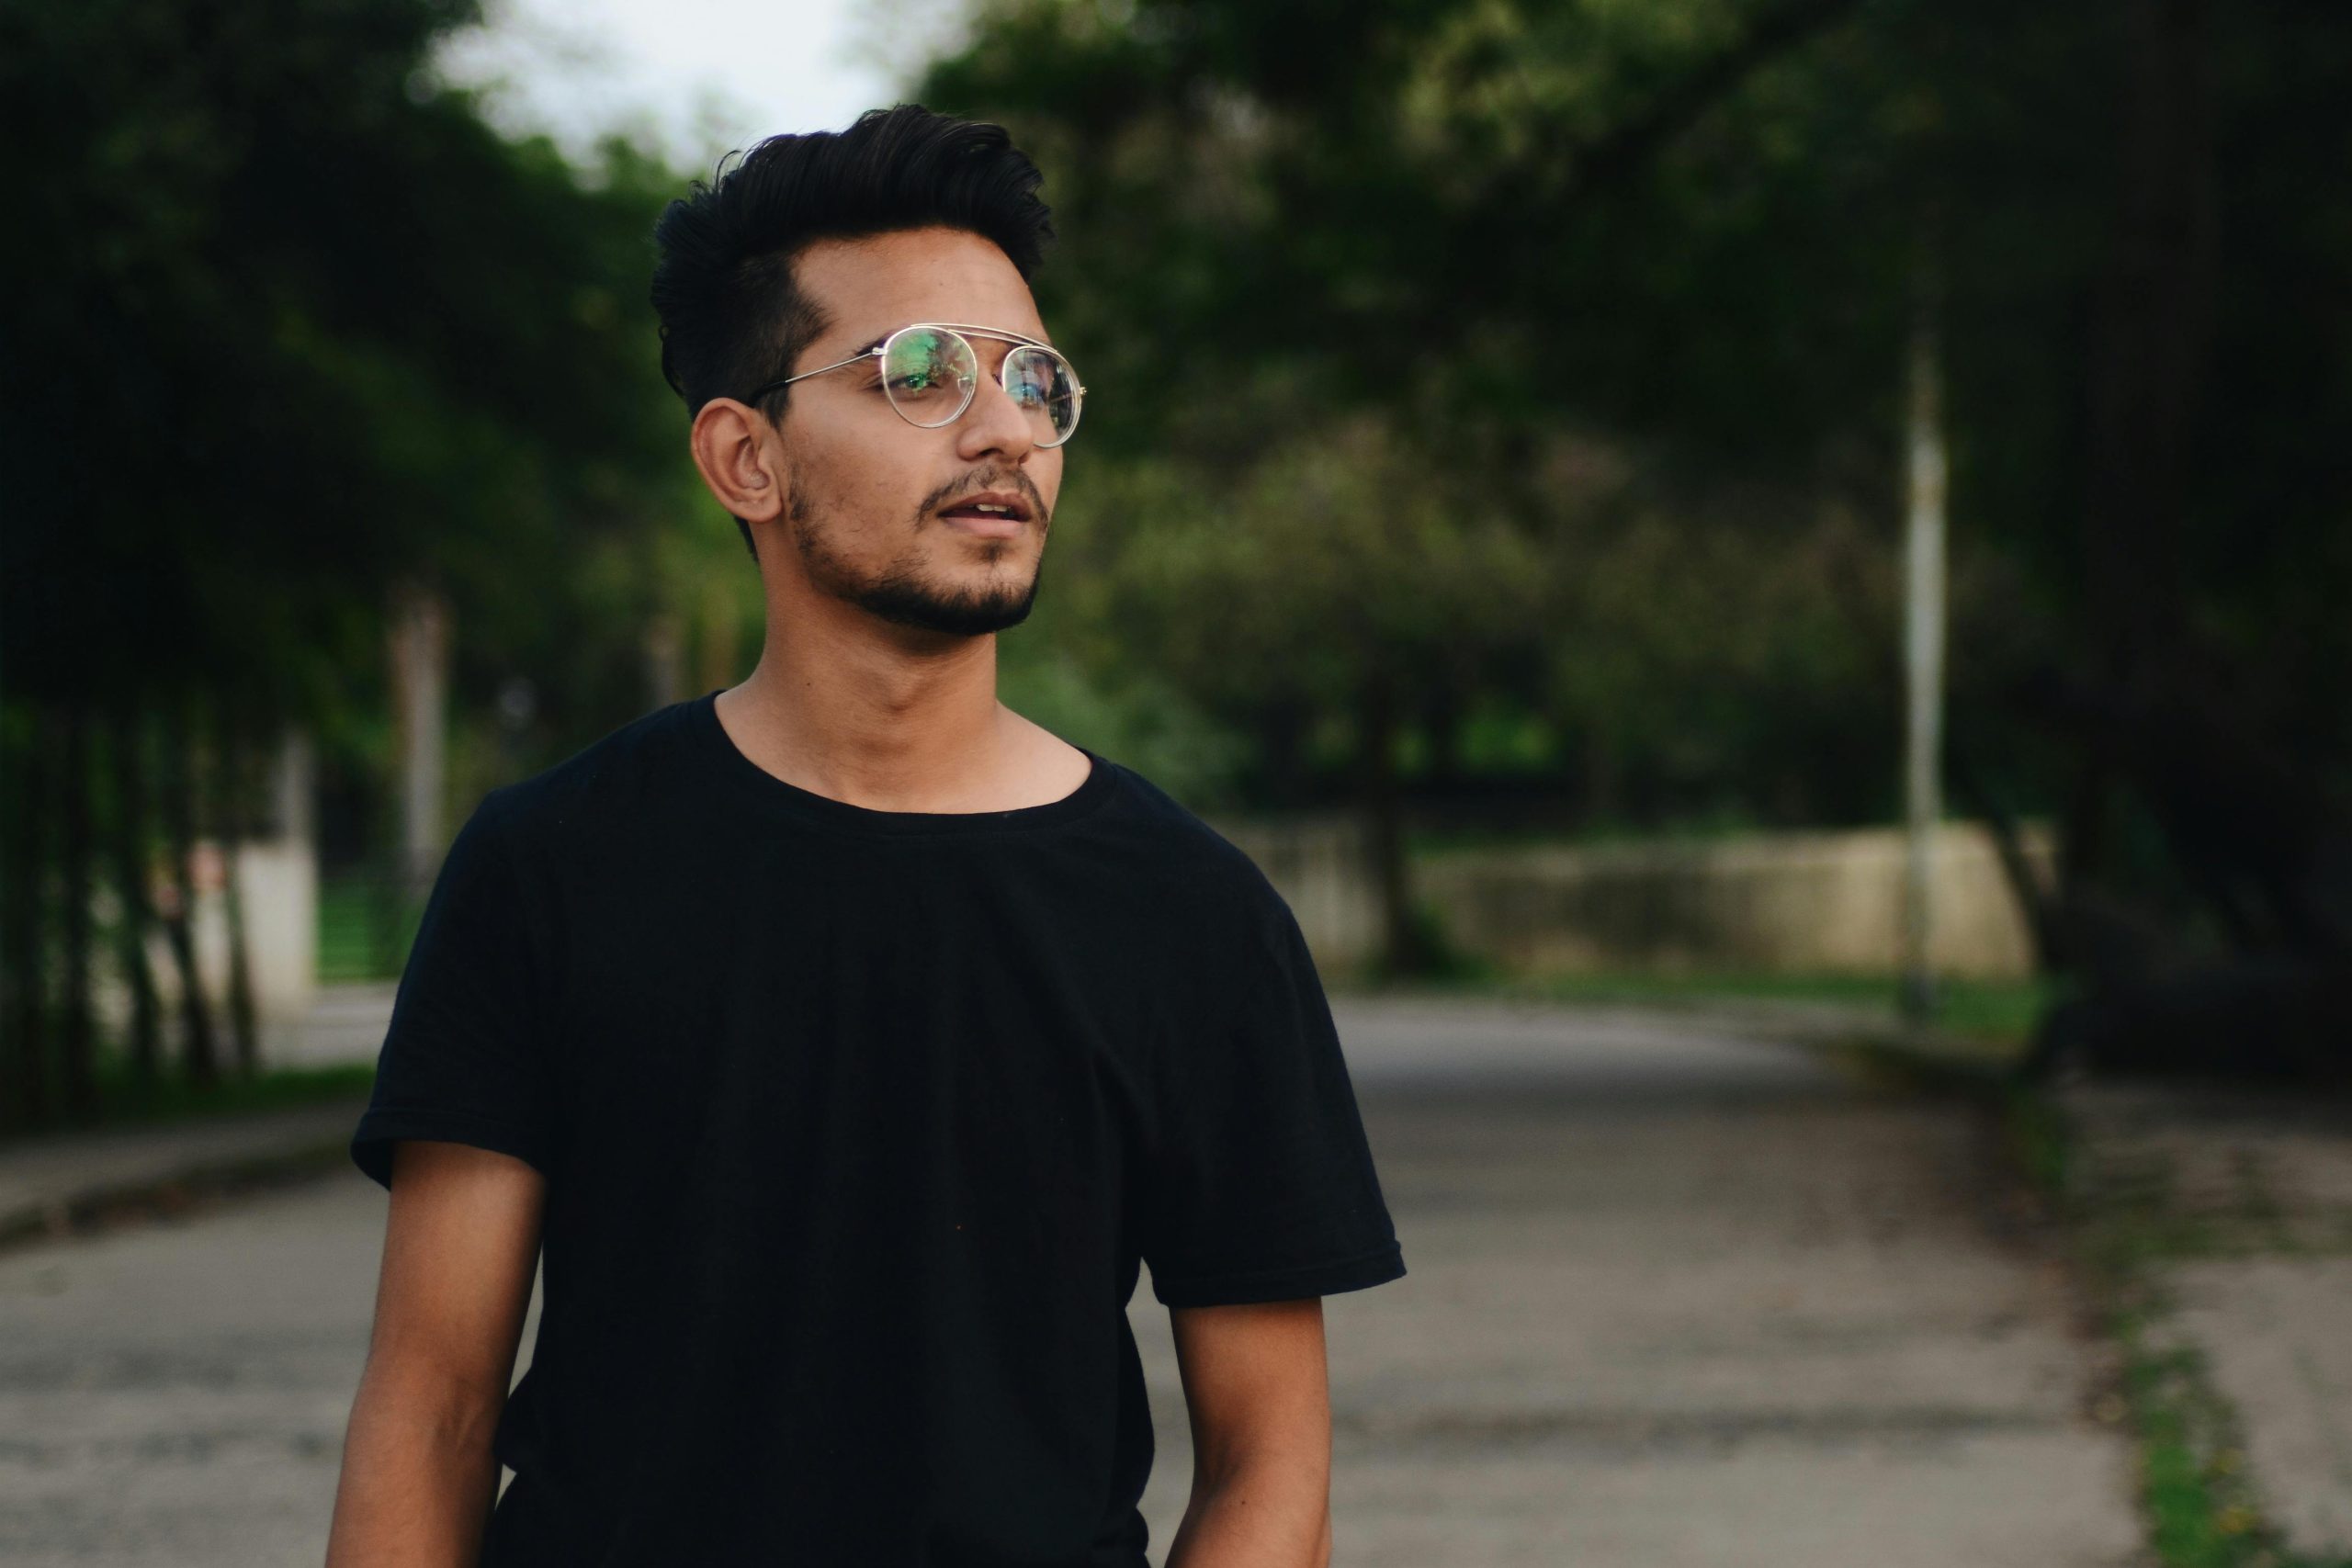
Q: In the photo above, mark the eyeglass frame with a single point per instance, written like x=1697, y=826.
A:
x=881, y=350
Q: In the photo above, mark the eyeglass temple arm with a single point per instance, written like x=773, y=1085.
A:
x=788, y=381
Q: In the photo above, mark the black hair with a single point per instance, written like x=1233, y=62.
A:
x=733, y=316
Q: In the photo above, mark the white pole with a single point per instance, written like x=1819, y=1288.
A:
x=1923, y=638
x=419, y=635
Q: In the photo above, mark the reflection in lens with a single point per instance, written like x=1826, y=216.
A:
x=1042, y=386
x=929, y=375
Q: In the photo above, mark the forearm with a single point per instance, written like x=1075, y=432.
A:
x=418, y=1474
x=1268, y=1516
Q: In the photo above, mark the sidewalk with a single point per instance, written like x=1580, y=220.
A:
x=2224, y=1213
x=1679, y=1298
x=65, y=1181
x=58, y=1182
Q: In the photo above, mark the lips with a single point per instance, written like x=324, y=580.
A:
x=989, y=506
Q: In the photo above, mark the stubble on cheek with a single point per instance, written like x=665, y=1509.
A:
x=819, y=533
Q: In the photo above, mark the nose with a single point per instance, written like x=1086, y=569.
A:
x=994, y=423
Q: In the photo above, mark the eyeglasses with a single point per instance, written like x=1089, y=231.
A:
x=929, y=371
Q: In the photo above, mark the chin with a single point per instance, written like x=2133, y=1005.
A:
x=958, y=614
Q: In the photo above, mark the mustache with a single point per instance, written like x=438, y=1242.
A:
x=988, y=480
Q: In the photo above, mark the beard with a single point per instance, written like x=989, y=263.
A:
x=899, y=594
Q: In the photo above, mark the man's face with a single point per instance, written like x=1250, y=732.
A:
x=872, y=499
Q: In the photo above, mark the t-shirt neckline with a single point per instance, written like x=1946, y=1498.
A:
x=718, y=750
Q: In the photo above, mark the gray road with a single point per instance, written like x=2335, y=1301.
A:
x=1676, y=1298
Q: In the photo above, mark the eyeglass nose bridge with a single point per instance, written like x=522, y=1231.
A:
x=959, y=330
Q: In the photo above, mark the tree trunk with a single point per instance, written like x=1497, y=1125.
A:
x=232, y=769
x=1282, y=745
x=418, y=636
x=664, y=648
x=2152, y=324
x=200, y=1058
x=718, y=657
x=1442, y=711
x=2150, y=320
x=2025, y=885
x=24, y=1087
x=1404, y=950
x=76, y=1039
x=130, y=760
x=1600, y=776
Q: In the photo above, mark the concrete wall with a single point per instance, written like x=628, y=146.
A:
x=277, y=888
x=1808, y=902
x=1316, y=863
x=278, y=885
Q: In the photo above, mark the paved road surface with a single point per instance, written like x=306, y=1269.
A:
x=1676, y=1298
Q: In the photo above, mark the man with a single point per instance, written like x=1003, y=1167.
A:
x=848, y=1039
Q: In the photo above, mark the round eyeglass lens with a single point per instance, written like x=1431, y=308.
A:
x=928, y=374
x=1041, y=384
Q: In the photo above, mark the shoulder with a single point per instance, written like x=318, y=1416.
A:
x=602, y=785
x=1195, y=857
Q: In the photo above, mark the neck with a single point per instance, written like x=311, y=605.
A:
x=888, y=717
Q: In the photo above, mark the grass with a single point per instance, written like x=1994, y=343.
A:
x=2200, y=1509
x=364, y=933
x=123, y=1102
x=2196, y=1500
x=1993, y=1012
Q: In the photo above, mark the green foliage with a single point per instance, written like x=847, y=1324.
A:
x=1630, y=284
x=1443, y=959
x=288, y=323
x=1145, y=723
x=366, y=927
x=1397, y=377
x=126, y=1102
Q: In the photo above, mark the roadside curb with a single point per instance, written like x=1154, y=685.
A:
x=66, y=1184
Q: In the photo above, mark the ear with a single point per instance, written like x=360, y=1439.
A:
x=738, y=465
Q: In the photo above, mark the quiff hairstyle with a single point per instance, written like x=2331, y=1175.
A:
x=732, y=314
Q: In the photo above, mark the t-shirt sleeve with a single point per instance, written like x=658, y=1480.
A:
x=462, y=1060
x=1259, y=1183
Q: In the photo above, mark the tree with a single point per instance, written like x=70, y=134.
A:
x=1684, y=235
x=287, y=323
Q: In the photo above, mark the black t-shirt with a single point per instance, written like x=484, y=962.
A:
x=855, y=1125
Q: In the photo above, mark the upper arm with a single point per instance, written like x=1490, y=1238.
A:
x=1255, y=1180
x=460, y=1246
x=465, y=1056
x=1256, y=1384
